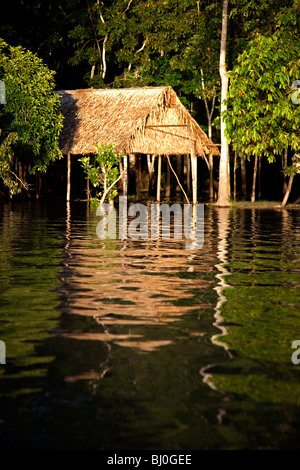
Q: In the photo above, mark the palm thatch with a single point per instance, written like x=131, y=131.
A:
x=149, y=120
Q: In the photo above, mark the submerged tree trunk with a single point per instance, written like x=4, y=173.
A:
x=224, y=174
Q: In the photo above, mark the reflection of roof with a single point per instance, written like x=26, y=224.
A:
x=149, y=120
x=129, y=291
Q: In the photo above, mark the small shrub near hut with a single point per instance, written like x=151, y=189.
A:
x=103, y=171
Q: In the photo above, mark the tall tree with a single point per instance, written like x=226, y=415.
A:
x=261, y=118
x=224, y=174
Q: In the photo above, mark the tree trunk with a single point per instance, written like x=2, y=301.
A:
x=254, y=179
x=125, y=175
x=288, y=190
x=193, y=165
x=211, y=162
x=259, y=179
x=209, y=114
x=224, y=174
x=68, y=177
x=284, y=165
x=234, y=176
x=244, y=178
x=194, y=177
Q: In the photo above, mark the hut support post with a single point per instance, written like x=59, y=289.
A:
x=194, y=176
x=125, y=176
x=150, y=163
x=68, y=176
x=168, y=183
x=139, y=177
x=188, y=174
x=158, y=179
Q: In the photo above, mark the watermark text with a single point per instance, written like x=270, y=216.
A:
x=154, y=221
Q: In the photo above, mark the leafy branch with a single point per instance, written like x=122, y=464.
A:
x=104, y=171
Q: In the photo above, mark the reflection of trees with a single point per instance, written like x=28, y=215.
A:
x=29, y=251
x=223, y=232
x=222, y=253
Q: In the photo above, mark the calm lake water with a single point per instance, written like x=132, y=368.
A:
x=143, y=344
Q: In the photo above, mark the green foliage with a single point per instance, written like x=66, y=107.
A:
x=33, y=109
x=9, y=178
x=295, y=167
x=104, y=170
x=261, y=118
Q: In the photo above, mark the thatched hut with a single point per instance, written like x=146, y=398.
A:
x=148, y=120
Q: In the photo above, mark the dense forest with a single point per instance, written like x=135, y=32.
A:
x=49, y=45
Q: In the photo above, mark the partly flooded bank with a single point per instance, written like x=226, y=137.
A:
x=143, y=344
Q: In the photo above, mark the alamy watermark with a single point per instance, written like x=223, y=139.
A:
x=295, y=95
x=154, y=221
x=2, y=352
x=296, y=355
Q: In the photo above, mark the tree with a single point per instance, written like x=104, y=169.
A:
x=291, y=172
x=32, y=109
x=104, y=172
x=224, y=174
x=261, y=118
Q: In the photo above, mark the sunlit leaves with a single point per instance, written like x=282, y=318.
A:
x=261, y=119
x=8, y=177
x=32, y=109
x=103, y=169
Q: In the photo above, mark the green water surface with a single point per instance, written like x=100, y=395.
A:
x=118, y=345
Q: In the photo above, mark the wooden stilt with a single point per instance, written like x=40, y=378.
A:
x=68, y=177
x=168, y=182
x=194, y=177
x=178, y=171
x=158, y=179
x=150, y=163
x=188, y=174
x=211, y=177
x=125, y=176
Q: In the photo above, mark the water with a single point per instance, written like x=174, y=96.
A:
x=142, y=344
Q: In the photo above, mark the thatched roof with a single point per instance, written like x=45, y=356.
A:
x=125, y=117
